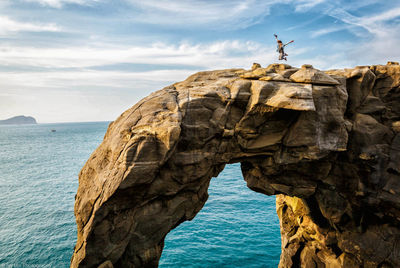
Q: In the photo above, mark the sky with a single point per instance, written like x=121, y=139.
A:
x=90, y=60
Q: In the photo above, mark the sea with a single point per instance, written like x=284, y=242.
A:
x=39, y=166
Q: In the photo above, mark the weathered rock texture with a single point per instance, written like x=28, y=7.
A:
x=327, y=142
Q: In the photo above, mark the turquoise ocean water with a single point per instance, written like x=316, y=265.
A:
x=38, y=180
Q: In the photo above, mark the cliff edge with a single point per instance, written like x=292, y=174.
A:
x=327, y=143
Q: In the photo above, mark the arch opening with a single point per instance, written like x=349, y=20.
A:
x=236, y=226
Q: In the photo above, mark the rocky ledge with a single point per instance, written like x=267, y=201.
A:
x=327, y=143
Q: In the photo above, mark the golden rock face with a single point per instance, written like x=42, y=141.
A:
x=327, y=142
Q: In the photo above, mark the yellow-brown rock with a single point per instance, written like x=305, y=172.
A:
x=255, y=66
x=307, y=74
x=274, y=77
x=396, y=126
x=327, y=143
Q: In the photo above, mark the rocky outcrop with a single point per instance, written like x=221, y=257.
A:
x=327, y=143
x=18, y=120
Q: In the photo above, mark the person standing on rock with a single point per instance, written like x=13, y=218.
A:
x=280, y=48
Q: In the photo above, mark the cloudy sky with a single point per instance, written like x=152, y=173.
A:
x=89, y=60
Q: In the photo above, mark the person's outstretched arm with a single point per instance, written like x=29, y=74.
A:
x=289, y=43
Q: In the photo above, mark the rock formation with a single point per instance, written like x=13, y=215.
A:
x=18, y=120
x=326, y=143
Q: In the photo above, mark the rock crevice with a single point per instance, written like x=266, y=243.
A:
x=327, y=143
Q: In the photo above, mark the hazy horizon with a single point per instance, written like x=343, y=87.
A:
x=61, y=122
x=90, y=60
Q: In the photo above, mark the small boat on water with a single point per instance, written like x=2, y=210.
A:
x=53, y=130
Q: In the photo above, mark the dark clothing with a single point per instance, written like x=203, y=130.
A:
x=282, y=54
x=281, y=48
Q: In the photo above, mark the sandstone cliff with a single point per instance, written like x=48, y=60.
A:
x=327, y=143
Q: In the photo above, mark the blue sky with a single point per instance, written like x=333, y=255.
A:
x=89, y=60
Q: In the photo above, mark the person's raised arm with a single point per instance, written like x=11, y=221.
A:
x=289, y=43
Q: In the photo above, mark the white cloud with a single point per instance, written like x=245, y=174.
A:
x=234, y=14
x=373, y=23
x=379, y=41
x=328, y=30
x=52, y=89
x=218, y=55
x=78, y=95
x=60, y=3
x=229, y=53
x=90, y=78
x=62, y=75
x=8, y=25
x=384, y=16
x=305, y=5
x=377, y=37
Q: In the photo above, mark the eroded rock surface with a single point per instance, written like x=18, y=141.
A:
x=327, y=143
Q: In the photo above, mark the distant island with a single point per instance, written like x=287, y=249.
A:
x=19, y=120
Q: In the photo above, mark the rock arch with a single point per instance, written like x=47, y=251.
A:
x=326, y=142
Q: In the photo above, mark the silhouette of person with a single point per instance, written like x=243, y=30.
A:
x=281, y=48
